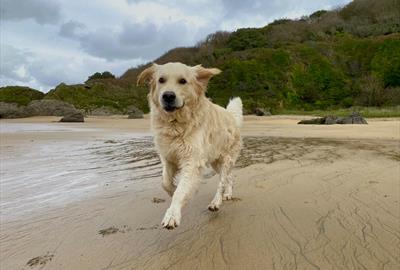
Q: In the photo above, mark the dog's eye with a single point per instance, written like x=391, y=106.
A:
x=182, y=81
x=161, y=80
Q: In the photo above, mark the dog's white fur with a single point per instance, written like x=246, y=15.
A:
x=196, y=135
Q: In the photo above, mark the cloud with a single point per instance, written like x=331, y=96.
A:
x=131, y=41
x=13, y=63
x=44, y=70
x=72, y=29
x=27, y=67
x=42, y=11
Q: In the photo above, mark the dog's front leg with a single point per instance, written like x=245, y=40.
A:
x=188, y=182
x=168, y=174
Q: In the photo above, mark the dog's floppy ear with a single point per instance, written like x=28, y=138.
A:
x=146, y=74
x=203, y=75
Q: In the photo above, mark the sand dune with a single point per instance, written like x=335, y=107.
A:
x=306, y=197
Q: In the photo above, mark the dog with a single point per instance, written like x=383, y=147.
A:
x=191, y=133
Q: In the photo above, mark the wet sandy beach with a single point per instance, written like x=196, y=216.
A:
x=88, y=196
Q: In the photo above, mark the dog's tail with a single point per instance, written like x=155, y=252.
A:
x=235, y=107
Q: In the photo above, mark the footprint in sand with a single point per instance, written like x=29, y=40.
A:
x=157, y=200
x=110, y=141
x=40, y=260
x=155, y=227
x=113, y=230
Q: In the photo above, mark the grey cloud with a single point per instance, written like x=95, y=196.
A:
x=72, y=29
x=134, y=40
x=272, y=8
x=12, y=63
x=138, y=34
x=26, y=66
x=42, y=11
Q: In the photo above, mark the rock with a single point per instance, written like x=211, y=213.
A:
x=315, y=121
x=134, y=113
x=344, y=120
x=354, y=118
x=49, y=107
x=12, y=110
x=105, y=111
x=330, y=120
x=73, y=117
x=261, y=112
x=44, y=107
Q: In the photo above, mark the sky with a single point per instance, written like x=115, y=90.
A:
x=46, y=42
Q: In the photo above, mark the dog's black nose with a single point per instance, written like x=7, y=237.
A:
x=169, y=96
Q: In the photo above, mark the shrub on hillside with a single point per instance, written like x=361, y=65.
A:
x=19, y=94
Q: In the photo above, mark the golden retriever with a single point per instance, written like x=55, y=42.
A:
x=191, y=133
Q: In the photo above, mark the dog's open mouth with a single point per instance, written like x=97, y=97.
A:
x=172, y=108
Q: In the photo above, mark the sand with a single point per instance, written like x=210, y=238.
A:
x=306, y=197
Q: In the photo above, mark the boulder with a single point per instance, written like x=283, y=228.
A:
x=330, y=120
x=12, y=110
x=261, y=112
x=105, y=111
x=134, y=113
x=354, y=118
x=73, y=117
x=314, y=121
x=49, y=107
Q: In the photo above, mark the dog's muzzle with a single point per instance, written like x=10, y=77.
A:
x=169, y=101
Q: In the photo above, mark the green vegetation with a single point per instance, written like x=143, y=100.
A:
x=329, y=61
x=111, y=93
x=19, y=95
x=101, y=76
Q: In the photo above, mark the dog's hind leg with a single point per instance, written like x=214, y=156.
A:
x=224, y=190
x=227, y=193
x=168, y=173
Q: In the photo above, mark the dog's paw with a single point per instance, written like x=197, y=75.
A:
x=227, y=197
x=172, y=219
x=215, y=204
x=213, y=207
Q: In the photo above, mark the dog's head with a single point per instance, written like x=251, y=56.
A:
x=176, y=85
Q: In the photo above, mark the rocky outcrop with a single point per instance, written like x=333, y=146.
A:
x=12, y=110
x=354, y=118
x=105, y=111
x=134, y=113
x=261, y=112
x=73, y=117
x=44, y=107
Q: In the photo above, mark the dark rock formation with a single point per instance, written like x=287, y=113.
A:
x=73, y=117
x=44, y=107
x=261, y=112
x=354, y=118
x=134, y=113
x=49, y=107
x=12, y=110
x=105, y=111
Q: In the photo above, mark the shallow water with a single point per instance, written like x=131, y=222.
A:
x=43, y=175
x=37, y=127
x=50, y=173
